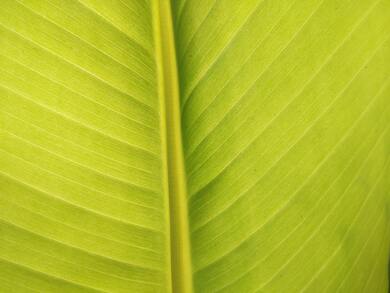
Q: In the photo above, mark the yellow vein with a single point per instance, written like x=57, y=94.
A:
x=86, y=187
x=304, y=133
x=92, y=113
x=354, y=154
x=339, y=200
x=369, y=239
x=290, y=102
x=174, y=171
x=132, y=43
x=223, y=51
x=266, y=69
x=82, y=124
x=108, y=176
x=323, y=267
x=383, y=247
x=80, y=68
x=85, y=42
x=183, y=52
x=39, y=128
x=179, y=11
x=327, y=60
x=323, y=161
x=78, y=265
x=114, y=26
x=48, y=275
x=276, y=246
x=91, y=99
x=238, y=69
x=79, y=248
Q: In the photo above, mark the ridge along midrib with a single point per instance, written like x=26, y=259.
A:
x=179, y=255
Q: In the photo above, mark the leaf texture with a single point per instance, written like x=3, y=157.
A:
x=263, y=123
x=285, y=110
x=82, y=201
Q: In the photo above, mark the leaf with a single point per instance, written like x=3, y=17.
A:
x=83, y=206
x=206, y=146
x=285, y=120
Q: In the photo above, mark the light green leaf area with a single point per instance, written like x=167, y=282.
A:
x=194, y=146
x=82, y=203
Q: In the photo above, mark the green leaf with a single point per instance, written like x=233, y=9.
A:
x=194, y=146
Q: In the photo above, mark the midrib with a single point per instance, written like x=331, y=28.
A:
x=174, y=172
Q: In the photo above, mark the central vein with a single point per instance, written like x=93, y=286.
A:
x=180, y=257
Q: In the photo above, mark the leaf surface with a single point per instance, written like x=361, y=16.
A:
x=206, y=146
x=83, y=206
x=285, y=110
